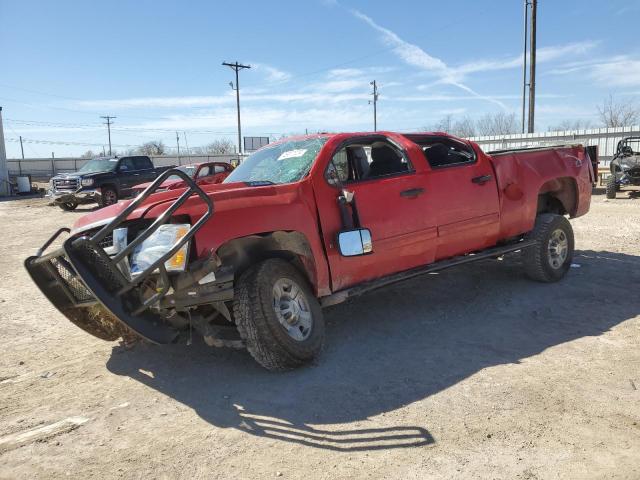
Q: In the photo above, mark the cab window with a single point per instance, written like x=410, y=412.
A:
x=367, y=161
x=442, y=152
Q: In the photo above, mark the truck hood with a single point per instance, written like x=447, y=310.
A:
x=222, y=193
x=79, y=175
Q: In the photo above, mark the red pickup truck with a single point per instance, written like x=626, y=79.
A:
x=305, y=223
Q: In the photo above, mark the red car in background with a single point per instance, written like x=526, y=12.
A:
x=206, y=173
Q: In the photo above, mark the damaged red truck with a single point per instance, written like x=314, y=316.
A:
x=306, y=223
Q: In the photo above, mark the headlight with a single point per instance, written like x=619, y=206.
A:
x=159, y=243
x=86, y=182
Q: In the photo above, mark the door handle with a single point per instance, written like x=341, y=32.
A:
x=481, y=180
x=412, y=192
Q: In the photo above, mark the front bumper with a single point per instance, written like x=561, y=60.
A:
x=87, y=285
x=79, y=196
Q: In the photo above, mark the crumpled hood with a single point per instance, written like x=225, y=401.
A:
x=223, y=194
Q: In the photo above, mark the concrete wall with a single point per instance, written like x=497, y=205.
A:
x=44, y=168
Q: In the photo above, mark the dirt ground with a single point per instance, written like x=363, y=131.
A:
x=475, y=372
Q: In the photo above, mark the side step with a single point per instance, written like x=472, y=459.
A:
x=343, y=295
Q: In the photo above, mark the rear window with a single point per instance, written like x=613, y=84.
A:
x=142, y=163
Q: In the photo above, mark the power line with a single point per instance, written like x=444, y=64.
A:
x=57, y=142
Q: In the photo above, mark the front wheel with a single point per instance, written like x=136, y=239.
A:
x=68, y=206
x=109, y=197
x=612, y=187
x=277, y=315
x=550, y=258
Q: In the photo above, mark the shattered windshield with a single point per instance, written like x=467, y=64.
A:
x=284, y=162
x=99, y=165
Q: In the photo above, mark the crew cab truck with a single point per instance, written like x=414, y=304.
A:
x=305, y=223
x=102, y=181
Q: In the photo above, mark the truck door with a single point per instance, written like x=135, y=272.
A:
x=144, y=169
x=127, y=176
x=392, y=201
x=464, y=197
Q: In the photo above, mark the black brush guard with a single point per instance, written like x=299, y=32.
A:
x=81, y=274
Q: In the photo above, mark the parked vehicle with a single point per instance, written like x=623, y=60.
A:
x=305, y=223
x=625, y=166
x=102, y=180
x=208, y=173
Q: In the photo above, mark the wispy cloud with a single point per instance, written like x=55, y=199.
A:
x=417, y=57
x=272, y=74
x=544, y=54
x=617, y=71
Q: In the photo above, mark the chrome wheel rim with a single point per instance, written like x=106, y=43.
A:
x=292, y=309
x=558, y=248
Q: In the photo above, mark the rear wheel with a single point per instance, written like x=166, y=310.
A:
x=278, y=316
x=612, y=187
x=109, y=197
x=68, y=206
x=550, y=258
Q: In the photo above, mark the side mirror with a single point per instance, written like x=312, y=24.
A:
x=355, y=242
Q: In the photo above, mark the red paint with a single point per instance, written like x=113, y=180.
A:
x=201, y=176
x=453, y=215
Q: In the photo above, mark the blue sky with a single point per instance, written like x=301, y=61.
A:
x=156, y=66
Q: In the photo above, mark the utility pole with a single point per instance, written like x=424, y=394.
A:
x=4, y=168
x=532, y=67
x=104, y=154
x=237, y=67
x=375, y=105
x=524, y=66
x=19, y=162
x=186, y=144
x=178, y=143
x=108, y=124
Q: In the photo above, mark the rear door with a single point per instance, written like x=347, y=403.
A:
x=395, y=206
x=212, y=173
x=127, y=176
x=144, y=168
x=464, y=197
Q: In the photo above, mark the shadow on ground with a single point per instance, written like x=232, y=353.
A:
x=393, y=347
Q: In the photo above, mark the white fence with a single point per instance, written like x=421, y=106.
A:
x=45, y=168
x=605, y=138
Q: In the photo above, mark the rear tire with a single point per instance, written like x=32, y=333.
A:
x=550, y=258
x=68, y=206
x=612, y=188
x=278, y=316
x=109, y=197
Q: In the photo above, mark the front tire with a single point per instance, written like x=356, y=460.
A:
x=68, y=206
x=612, y=187
x=550, y=258
x=278, y=316
x=109, y=197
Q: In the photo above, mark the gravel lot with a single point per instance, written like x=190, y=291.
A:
x=475, y=372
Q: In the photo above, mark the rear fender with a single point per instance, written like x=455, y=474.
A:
x=563, y=190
